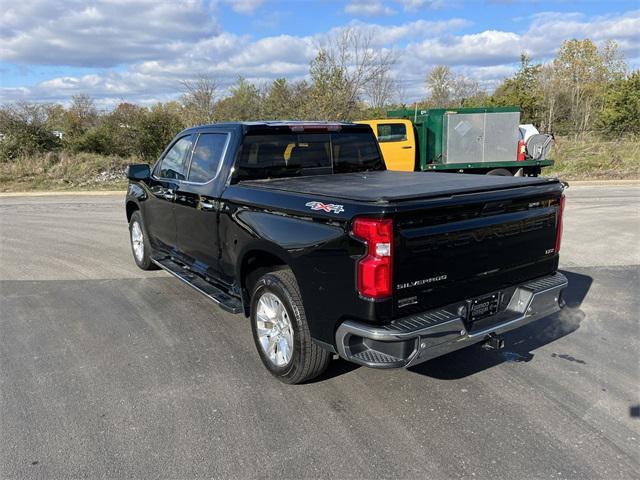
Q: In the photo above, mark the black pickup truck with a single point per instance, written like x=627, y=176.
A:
x=300, y=227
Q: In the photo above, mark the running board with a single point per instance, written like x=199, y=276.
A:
x=224, y=300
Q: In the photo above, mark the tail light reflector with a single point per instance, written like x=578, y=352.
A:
x=375, y=268
x=522, y=151
x=559, y=223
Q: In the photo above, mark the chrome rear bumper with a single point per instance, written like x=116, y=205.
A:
x=418, y=338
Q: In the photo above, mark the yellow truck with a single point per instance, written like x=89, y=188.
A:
x=465, y=140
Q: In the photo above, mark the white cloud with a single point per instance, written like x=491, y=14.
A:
x=152, y=74
x=548, y=30
x=245, y=7
x=271, y=49
x=368, y=8
x=383, y=35
x=415, y=5
x=542, y=39
x=482, y=48
x=105, y=34
x=489, y=73
x=491, y=55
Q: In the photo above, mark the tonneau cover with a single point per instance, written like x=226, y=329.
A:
x=388, y=186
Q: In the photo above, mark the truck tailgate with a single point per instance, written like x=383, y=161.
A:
x=468, y=249
x=456, y=236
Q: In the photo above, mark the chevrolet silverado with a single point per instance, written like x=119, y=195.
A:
x=300, y=227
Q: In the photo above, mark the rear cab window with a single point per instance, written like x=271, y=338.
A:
x=272, y=155
x=392, y=132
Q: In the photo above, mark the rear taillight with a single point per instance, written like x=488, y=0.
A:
x=559, y=223
x=375, y=268
x=522, y=151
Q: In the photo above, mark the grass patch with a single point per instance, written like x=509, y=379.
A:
x=64, y=171
x=596, y=159
x=588, y=159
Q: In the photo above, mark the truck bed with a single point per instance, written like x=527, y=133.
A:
x=390, y=186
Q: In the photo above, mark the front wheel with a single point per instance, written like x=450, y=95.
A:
x=281, y=332
x=139, y=243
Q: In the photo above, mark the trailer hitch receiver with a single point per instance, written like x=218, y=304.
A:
x=493, y=342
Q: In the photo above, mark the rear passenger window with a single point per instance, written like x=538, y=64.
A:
x=172, y=165
x=207, y=156
x=392, y=132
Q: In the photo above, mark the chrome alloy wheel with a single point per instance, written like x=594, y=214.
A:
x=274, y=328
x=137, y=241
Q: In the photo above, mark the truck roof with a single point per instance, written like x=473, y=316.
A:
x=388, y=186
x=311, y=125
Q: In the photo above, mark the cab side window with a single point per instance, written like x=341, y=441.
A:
x=172, y=165
x=392, y=132
x=207, y=156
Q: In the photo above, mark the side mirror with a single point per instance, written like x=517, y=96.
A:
x=138, y=171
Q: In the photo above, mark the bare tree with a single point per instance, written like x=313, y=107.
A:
x=199, y=98
x=381, y=90
x=83, y=110
x=614, y=62
x=464, y=88
x=24, y=113
x=449, y=89
x=362, y=65
x=400, y=93
x=440, y=82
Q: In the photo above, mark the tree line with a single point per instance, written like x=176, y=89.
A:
x=584, y=89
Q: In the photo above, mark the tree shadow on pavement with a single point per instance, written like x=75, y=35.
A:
x=519, y=343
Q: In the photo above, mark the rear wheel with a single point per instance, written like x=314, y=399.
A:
x=500, y=172
x=139, y=243
x=281, y=332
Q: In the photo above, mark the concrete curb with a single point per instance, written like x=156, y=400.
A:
x=63, y=193
x=601, y=183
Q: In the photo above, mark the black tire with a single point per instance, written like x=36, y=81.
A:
x=144, y=262
x=500, y=172
x=308, y=360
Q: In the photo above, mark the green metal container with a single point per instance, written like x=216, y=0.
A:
x=466, y=139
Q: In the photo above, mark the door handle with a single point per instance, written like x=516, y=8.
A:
x=406, y=147
x=207, y=206
x=169, y=195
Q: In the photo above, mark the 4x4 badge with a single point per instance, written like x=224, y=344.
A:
x=326, y=207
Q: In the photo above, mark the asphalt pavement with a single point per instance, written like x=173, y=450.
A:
x=108, y=371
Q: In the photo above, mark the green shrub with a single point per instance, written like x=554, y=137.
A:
x=24, y=131
x=621, y=112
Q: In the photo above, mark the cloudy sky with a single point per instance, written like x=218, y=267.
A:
x=140, y=50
